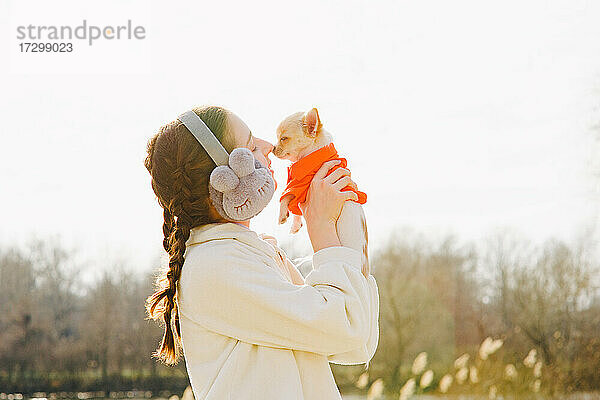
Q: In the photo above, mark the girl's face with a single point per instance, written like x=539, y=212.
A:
x=243, y=138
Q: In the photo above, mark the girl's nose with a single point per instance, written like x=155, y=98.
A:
x=270, y=148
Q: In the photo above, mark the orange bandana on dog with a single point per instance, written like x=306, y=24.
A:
x=301, y=173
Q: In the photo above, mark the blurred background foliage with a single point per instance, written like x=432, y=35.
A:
x=59, y=331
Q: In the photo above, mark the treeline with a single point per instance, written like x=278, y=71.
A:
x=443, y=298
x=60, y=334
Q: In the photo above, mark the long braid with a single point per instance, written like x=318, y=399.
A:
x=167, y=229
x=180, y=170
x=179, y=206
x=168, y=217
x=179, y=233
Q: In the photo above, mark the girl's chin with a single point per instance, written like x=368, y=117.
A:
x=273, y=175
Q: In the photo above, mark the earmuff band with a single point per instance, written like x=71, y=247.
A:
x=239, y=187
x=204, y=135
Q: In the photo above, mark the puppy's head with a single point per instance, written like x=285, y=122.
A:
x=296, y=134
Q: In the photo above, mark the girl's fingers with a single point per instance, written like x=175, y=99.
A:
x=349, y=195
x=342, y=183
x=353, y=184
x=335, y=175
x=325, y=168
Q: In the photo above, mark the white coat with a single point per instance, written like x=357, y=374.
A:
x=253, y=328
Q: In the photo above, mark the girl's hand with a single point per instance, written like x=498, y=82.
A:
x=324, y=202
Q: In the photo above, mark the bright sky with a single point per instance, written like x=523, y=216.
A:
x=455, y=116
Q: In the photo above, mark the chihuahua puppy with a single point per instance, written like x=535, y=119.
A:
x=302, y=140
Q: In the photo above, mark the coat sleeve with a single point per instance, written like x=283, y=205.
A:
x=297, y=278
x=229, y=289
x=364, y=353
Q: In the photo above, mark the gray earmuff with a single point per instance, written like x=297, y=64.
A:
x=240, y=187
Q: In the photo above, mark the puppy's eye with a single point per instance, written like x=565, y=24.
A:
x=283, y=139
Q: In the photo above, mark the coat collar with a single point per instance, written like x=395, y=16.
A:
x=230, y=230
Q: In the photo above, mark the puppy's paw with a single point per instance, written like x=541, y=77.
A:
x=268, y=238
x=296, y=225
x=283, y=217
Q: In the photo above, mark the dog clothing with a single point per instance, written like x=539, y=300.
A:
x=301, y=173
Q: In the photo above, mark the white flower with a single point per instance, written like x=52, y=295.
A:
x=408, y=389
x=445, y=383
x=473, y=377
x=426, y=379
x=536, y=385
x=496, y=344
x=489, y=346
x=529, y=361
x=461, y=375
x=537, y=369
x=420, y=363
x=484, y=348
x=461, y=361
x=493, y=392
x=510, y=372
x=375, y=390
x=187, y=394
x=363, y=380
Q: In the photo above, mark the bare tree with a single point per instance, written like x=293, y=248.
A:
x=425, y=294
x=542, y=292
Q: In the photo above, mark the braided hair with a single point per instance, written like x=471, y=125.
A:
x=180, y=170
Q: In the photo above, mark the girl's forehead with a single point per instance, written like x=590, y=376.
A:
x=239, y=129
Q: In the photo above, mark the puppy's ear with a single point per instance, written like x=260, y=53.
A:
x=311, y=124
